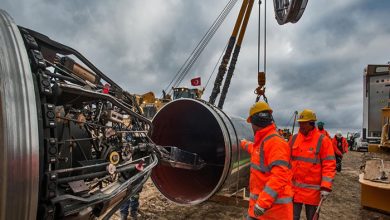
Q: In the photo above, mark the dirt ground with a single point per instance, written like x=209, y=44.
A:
x=344, y=202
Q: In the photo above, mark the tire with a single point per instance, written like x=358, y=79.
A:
x=19, y=140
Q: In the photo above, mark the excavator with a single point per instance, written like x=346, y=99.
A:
x=149, y=104
x=75, y=145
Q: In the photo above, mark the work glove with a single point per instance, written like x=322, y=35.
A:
x=258, y=210
x=243, y=142
x=324, y=194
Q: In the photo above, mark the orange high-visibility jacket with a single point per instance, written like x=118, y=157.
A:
x=270, y=174
x=336, y=151
x=313, y=164
x=344, y=146
x=325, y=132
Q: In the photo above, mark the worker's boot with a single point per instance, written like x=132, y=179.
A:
x=135, y=215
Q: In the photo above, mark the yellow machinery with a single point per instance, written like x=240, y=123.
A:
x=385, y=142
x=375, y=181
x=150, y=104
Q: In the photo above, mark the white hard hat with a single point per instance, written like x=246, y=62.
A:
x=338, y=134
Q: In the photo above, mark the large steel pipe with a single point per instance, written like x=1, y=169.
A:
x=19, y=137
x=199, y=127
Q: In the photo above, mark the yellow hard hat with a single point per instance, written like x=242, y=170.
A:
x=307, y=115
x=258, y=107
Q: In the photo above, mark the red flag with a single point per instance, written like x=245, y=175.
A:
x=195, y=81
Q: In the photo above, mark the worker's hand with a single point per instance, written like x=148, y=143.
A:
x=324, y=194
x=243, y=142
x=258, y=210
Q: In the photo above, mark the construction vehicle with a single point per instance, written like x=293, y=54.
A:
x=375, y=180
x=75, y=144
x=149, y=104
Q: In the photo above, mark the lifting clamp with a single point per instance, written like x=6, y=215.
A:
x=260, y=90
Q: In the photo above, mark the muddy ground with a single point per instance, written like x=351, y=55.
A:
x=344, y=203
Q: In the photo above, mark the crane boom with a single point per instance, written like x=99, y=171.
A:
x=225, y=60
x=236, y=52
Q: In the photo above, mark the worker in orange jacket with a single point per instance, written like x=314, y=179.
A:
x=313, y=164
x=322, y=130
x=340, y=147
x=270, y=174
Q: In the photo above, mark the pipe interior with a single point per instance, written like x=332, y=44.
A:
x=190, y=126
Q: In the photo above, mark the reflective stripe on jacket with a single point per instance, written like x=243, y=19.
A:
x=270, y=174
x=313, y=164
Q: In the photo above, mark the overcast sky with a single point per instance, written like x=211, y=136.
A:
x=316, y=63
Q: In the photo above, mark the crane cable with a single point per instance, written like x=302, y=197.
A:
x=184, y=69
x=291, y=118
x=265, y=46
x=258, y=39
x=199, y=46
x=200, y=43
x=261, y=91
x=197, y=54
x=265, y=36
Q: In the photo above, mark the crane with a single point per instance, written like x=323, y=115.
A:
x=286, y=11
